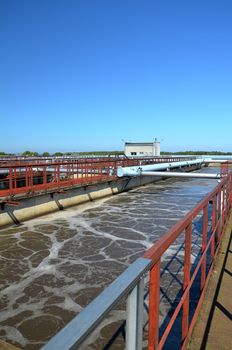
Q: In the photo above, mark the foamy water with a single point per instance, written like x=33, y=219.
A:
x=54, y=266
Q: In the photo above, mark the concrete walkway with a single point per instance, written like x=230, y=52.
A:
x=213, y=329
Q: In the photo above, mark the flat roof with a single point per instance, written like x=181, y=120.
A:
x=140, y=143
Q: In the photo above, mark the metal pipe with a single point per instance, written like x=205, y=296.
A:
x=219, y=161
x=178, y=174
x=136, y=170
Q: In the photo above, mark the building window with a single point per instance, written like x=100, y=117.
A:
x=133, y=153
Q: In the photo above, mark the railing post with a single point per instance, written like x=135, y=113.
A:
x=80, y=166
x=187, y=266
x=219, y=215
x=230, y=190
x=58, y=174
x=204, y=243
x=15, y=178
x=213, y=227
x=10, y=180
x=134, y=319
x=30, y=177
x=140, y=323
x=44, y=175
x=222, y=210
x=223, y=207
x=225, y=201
x=27, y=177
x=154, y=302
x=228, y=195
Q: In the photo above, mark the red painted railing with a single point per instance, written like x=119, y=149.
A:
x=206, y=222
x=215, y=209
x=24, y=177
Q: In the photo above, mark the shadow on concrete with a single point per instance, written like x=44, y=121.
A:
x=215, y=303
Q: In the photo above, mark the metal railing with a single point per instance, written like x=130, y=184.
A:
x=21, y=177
x=213, y=212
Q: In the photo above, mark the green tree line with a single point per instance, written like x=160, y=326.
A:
x=101, y=153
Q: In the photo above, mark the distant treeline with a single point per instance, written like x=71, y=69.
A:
x=3, y=154
x=108, y=153
x=198, y=153
x=61, y=154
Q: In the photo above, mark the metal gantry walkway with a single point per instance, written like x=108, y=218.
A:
x=25, y=178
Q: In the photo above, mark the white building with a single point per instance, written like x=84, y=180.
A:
x=142, y=148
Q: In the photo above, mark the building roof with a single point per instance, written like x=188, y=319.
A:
x=140, y=143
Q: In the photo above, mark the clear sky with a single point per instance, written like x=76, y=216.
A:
x=81, y=75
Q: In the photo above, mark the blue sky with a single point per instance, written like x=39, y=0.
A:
x=81, y=75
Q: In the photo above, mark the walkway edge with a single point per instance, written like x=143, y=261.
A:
x=210, y=316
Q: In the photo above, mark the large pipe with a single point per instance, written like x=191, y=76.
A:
x=136, y=170
x=219, y=161
x=178, y=174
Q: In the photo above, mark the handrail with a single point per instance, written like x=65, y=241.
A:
x=71, y=336
x=220, y=198
x=131, y=282
x=157, y=250
x=28, y=177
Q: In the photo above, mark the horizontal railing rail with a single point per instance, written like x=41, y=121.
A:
x=220, y=200
x=51, y=160
x=213, y=212
x=22, y=178
x=71, y=336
